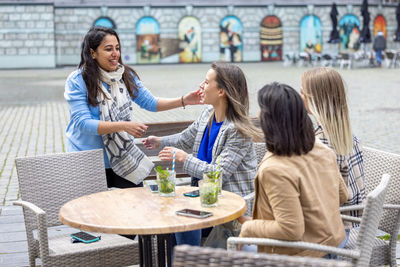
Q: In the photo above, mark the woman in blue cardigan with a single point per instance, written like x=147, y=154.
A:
x=100, y=94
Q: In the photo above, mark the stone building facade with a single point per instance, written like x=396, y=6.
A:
x=47, y=34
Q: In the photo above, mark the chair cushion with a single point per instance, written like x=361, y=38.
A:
x=61, y=244
x=380, y=248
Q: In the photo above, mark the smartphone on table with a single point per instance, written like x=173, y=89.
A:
x=85, y=237
x=154, y=188
x=194, y=193
x=194, y=213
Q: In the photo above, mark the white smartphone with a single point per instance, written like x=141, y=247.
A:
x=194, y=213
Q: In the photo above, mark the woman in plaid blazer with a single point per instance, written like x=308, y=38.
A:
x=324, y=96
x=223, y=129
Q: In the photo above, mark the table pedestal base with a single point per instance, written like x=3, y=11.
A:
x=163, y=250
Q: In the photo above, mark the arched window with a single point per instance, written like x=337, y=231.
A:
x=147, y=40
x=231, y=39
x=310, y=34
x=271, y=39
x=349, y=33
x=189, y=32
x=380, y=25
x=105, y=22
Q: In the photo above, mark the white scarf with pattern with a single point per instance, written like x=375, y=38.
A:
x=126, y=159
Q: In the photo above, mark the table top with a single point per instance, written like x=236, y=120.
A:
x=138, y=211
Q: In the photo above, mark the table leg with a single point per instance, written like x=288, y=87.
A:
x=163, y=247
x=145, y=251
x=140, y=250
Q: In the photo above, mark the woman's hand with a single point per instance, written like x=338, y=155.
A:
x=193, y=98
x=242, y=219
x=167, y=154
x=152, y=142
x=136, y=129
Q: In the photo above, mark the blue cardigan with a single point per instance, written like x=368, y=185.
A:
x=81, y=131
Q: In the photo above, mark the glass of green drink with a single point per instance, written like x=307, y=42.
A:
x=166, y=182
x=208, y=193
x=214, y=177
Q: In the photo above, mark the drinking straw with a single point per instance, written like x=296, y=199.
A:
x=173, y=161
x=218, y=162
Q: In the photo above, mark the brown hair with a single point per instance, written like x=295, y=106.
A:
x=90, y=68
x=231, y=79
x=325, y=95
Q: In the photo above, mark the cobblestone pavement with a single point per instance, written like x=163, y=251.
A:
x=33, y=113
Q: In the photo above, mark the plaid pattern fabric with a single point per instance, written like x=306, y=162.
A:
x=238, y=157
x=352, y=169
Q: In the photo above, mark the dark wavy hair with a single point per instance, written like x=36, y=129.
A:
x=284, y=120
x=90, y=68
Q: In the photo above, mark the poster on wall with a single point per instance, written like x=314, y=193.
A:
x=271, y=39
x=230, y=39
x=349, y=33
x=105, y=22
x=189, y=32
x=147, y=40
x=380, y=25
x=310, y=35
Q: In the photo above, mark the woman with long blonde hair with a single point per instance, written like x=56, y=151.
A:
x=324, y=96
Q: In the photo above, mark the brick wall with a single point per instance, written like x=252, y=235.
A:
x=27, y=36
x=44, y=35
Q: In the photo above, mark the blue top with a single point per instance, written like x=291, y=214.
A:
x=81, y=131
x=207, y=143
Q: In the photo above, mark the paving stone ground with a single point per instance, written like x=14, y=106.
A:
x=33, y=117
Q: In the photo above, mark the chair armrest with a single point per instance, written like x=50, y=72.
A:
x=41, y=225
x=360, y=207
x=352, y=207
x=350, y=218
x=35, y=209
x=249, y=196
x=391, y=206
x=234, y=241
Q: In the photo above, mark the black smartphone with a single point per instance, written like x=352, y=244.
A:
x=85, y=237
x=194, y=193
x=154, y=188
x=194, y=213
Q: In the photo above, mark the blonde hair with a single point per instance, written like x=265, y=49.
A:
x=325, y=96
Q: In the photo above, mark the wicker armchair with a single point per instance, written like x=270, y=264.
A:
x=46, y=183
x=376, y=163
x=369, y=223
x=201, y=257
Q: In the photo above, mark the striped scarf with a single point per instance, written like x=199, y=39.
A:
x=126, y=159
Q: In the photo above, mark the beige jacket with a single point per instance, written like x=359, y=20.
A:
x=298, y=198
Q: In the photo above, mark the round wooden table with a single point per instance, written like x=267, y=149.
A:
x=141, y=212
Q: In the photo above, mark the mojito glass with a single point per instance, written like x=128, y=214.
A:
x=214, y=177
x=166, y=183
x=208, y=193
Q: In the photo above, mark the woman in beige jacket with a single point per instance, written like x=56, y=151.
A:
x=298, y=187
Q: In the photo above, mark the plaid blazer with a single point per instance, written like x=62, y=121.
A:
x=238, y=157
x=351, y=168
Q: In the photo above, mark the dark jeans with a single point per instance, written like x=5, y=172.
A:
x=114, y=180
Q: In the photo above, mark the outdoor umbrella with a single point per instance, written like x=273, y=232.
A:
x=397, y=36
x=365, y=36
x=334, y=37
